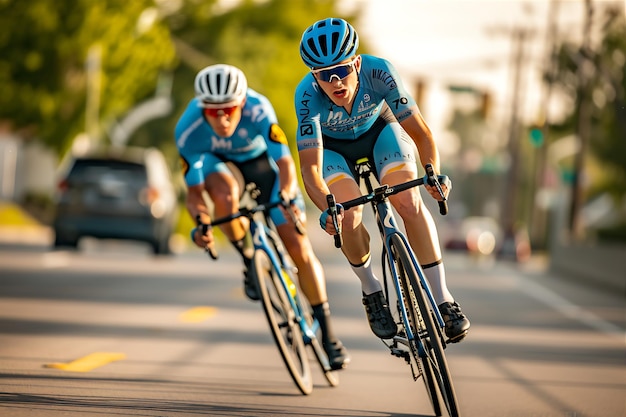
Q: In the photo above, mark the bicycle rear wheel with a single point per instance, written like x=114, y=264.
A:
x=283, y=322
x=433, y=360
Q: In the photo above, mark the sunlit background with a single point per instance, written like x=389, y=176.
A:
x=525, y=98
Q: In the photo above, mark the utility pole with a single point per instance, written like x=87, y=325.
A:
x=519, y=37
x=538, y=217
x=584, y=72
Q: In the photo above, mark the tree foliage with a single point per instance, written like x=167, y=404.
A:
x=607, y=71
x=260, y=37
x=44, y=49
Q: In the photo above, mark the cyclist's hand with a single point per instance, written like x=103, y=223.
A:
x=326, y=220
x=446, y=187
x=202, y=240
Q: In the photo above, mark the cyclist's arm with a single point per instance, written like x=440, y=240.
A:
x=196, y=204
x=311, y=170
x=278, y=149
x=416, y=127
x=287, y=176
x=197, y=208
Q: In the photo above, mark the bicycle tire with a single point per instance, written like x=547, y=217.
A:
x=433, y=357
x=282, y=321
x=417, y=327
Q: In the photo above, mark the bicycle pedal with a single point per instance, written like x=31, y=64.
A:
x=457, y=339
x=400, y=353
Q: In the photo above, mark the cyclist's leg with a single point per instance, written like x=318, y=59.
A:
x=400, y=166
x=356, y=245
x=396, y=157
x=224, y=191
x=356, y=238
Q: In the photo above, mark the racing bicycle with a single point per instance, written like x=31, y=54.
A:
x=421, y=339
x=287, y=311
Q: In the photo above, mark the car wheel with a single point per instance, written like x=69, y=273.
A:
x=161, y=247
x=61, y=241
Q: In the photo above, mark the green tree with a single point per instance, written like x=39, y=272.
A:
x=261, y=38
x=44, y=47
x=608, y=86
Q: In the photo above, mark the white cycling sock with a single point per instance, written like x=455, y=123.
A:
x=436, y=276
x=369, y=283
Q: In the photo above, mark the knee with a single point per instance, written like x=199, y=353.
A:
x=352, y=220
x=408, y=204
x=222, y=193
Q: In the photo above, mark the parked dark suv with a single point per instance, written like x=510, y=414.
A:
x=122, y=193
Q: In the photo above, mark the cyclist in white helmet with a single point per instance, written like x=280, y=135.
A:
x=229, y=124
x=352, y=106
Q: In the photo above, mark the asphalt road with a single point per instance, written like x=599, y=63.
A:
x=112, y=331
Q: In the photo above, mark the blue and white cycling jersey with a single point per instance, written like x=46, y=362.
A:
x=255, y=146
x=371, y=129
x=202, y=150
x=379, y=82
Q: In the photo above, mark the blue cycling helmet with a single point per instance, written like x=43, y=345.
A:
x=328, y=42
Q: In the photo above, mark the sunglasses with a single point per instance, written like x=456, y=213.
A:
x=340, y=71
x=222, y=111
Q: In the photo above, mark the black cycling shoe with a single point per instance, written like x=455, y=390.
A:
x=379, y=316
x=457, y=324
x=250, y=287
x=338, y=356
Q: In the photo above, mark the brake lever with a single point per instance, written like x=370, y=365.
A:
x=434, y=182
x=332, y=208
x=210, y=250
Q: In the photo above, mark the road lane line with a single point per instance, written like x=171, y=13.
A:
x=570, y=310
x=197, y=314
x=89, y=362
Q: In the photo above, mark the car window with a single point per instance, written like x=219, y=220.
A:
x=94, y=171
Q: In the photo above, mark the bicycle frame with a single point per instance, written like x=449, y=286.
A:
x=388, y=226
x=266, y=239
x=416, y=306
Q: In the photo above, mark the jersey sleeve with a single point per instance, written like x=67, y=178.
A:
x=309, y=131
x=265, y=118
x=385, y=78
x=190, y=160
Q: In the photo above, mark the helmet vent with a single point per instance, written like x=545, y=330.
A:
x=218, y=82
x=228, y=83
x=208, y=84
x=324, y=45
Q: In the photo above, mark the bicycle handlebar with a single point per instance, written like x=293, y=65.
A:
x=384, y=191
x=249, y=213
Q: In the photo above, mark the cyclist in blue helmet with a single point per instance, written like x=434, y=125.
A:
x=352, y=106
x=229, y=130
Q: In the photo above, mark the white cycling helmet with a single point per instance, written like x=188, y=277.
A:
x=220, y=85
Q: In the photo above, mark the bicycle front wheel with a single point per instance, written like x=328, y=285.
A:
x=422, y=322
x=283, y=321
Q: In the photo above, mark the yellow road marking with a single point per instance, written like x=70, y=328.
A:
x=89, y=362
x=197, y=314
